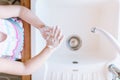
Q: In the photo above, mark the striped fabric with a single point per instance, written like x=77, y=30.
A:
x=13, y=45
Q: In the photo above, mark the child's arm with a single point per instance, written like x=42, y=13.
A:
x=19, y=68
x=8, y=11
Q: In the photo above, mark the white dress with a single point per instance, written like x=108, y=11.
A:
x=11, y=48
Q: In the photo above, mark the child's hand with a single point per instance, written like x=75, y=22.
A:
x=55, y=37
x=45, y=32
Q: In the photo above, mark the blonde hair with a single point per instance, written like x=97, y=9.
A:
x=3, y=2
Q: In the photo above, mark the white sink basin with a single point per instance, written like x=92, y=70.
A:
x=75, y=18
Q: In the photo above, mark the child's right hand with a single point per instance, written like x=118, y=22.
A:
x=55, y=37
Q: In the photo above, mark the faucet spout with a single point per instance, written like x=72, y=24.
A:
x=115, y=71
x=114, y=41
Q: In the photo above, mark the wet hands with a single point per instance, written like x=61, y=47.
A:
x=45, y=32
x=53, y=36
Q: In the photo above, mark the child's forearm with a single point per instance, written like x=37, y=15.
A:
x=8, y=11
x=35, y=63
x=28, y=16
x=19, y=68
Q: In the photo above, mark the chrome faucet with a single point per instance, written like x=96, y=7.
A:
x=115, y=71
x=112, y=68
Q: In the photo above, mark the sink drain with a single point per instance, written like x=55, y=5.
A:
x=74, y=42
